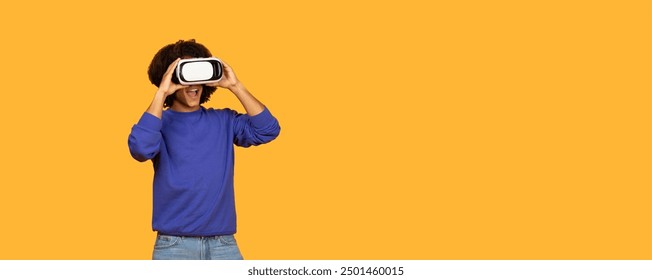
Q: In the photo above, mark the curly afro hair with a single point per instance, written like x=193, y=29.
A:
x=166, y=55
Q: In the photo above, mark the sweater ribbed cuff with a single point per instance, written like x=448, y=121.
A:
x=263, y=119
x=150, y=122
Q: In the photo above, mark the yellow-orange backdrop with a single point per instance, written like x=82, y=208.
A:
x=410, y=129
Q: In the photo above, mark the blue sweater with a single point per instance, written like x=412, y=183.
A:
x=193, y=165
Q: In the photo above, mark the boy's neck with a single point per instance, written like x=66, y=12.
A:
x=177, y=107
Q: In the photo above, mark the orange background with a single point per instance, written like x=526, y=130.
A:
x=410, y=130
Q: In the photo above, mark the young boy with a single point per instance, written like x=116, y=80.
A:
x=192, y=150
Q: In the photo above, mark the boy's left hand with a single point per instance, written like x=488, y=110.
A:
x=228, y=81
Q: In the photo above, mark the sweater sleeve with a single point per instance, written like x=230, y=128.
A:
x=145, y=138
x=255, y=130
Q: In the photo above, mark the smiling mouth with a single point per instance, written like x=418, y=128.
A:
x=193, y=92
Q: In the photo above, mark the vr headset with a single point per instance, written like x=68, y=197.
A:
x=194, y=71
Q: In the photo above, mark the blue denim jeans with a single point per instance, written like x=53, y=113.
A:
x=222, y=247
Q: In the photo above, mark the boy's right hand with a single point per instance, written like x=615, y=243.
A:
x=167, y=87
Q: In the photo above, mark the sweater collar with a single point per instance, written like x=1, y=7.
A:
x=185, y=115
